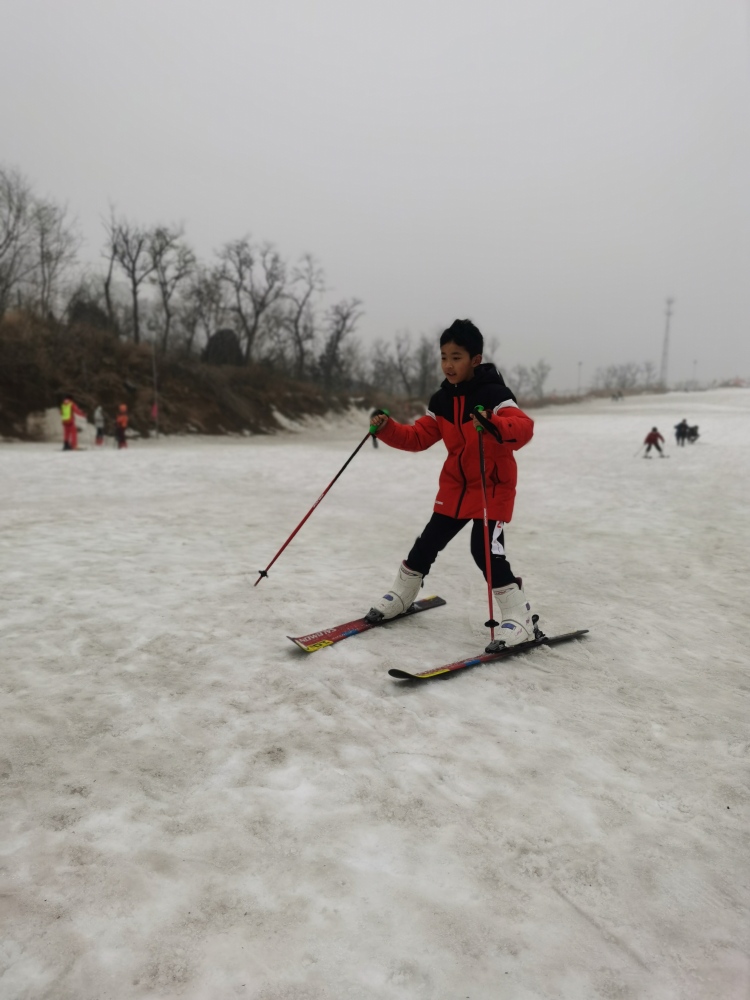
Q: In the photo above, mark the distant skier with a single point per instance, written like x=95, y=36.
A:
x=681, y=432
x=69, y=410
x=121, y=426
x=652, y=441
x=99, y=425
x=692, y=434
x=450, y=416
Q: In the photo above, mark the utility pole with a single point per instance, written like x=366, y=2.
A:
x=665, y=349
x=155, y=406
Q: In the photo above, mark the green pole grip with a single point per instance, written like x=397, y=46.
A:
x=480, y=409
x=373, y=428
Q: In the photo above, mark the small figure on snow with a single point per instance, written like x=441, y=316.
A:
x=681, y=432
x=652, y=441
x=451, y=416
x=692, y=434
x=99, y=425
x=121, y=426
x=69, y=410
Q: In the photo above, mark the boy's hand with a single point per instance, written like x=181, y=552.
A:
x=379, y=421
x=485, y=424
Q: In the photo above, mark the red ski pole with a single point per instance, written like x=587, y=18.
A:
x=373, y=430
x=490, y=623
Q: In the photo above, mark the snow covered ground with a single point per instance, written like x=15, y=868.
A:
x=194, y=808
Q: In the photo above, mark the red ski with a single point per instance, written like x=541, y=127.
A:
x=317, y=640
x=475, y=661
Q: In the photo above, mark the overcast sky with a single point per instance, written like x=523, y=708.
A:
x=552, y=169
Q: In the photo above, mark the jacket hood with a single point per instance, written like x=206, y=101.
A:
x=484, y=374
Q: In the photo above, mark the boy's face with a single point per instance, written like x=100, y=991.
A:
x=457, y=364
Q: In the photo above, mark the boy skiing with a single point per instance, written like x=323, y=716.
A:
x=652, y=440
x=451, y=416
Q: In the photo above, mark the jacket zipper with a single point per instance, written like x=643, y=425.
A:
x=459, y=405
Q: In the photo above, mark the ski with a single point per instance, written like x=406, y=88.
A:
x=318, y=640
x=475, y=661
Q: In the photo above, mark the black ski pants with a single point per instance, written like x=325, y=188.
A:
x=441, y=529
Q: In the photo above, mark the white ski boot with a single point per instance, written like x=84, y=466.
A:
x=399, y=598
x=517, y=624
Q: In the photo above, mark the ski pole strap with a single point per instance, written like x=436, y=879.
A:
x=378, y=413
x=479, y=413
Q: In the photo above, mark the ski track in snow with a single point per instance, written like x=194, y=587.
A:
x=194, y=808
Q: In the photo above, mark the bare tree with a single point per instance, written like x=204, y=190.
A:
x=340, y=323
x=382, y=372
x=202, y=307
x=16, y=201
x=519, y=379
x=256, y=279
x=538, y=374
x=54, y=250
x=648, y=374
x=623, y=376
x=173, y=262
x=404, y=360
x=85, y=302
x=128, y=246
x=307, y=281
x=425, y=367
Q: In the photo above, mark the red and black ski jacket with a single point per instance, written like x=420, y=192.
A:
x=449, y=417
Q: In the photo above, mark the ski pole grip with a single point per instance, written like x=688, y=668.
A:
x=378, y=413
x=487, y=425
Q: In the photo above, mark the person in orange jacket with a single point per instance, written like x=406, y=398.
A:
x=121, y=426
x=69, y=410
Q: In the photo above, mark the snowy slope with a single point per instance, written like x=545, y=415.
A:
x=194, y=808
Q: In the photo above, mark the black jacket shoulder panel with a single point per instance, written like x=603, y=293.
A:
x=487, y=387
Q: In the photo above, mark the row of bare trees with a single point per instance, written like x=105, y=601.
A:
x=38, y=246
x=529, y=383
x=627, y=376
x=277, y=312
x=154, y=287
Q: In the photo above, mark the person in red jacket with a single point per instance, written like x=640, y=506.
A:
x=121, y=426
x=450, y=417
x=652, y=441
x=69, y=410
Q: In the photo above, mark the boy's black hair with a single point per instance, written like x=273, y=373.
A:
x=465, y=334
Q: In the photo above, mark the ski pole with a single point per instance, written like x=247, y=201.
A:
x=639, y=451
x=373, y=430
x=490, y=623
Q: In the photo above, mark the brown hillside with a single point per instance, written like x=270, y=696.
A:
x=41, y=362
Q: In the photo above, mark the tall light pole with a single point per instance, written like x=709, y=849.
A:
x=579, y=377
x=665, y=348
x=155, y=406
